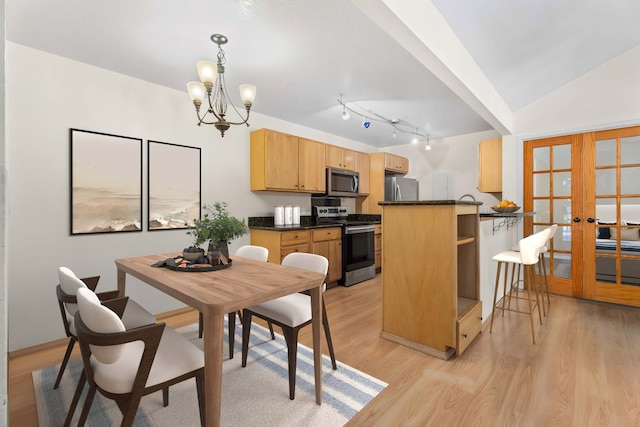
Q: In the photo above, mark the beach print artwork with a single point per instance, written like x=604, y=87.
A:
x=106, y=183
x=174, y=185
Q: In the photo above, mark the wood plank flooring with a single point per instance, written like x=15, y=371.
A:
x=582, y=372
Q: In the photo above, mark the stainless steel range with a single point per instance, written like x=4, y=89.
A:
x=358, y=252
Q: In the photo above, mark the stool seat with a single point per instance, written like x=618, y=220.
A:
x=508, y=256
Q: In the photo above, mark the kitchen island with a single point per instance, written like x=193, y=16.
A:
x=430, y=275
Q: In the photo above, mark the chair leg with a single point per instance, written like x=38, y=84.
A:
x=75, y=400
x=327, y=334
x=246, y=331
x=239, y=316
x=536, y=284
x=291, y=337
x=65, y=360
x=130, y=414
x=495, y=296
x=200, y=324
x=87, y=405
x=232, y=331
x=165, y=397
x=200, y=389
x=273, y=336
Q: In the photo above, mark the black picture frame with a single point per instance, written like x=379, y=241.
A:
x=105, y=187
x=174, y=185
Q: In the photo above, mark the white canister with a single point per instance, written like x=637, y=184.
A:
x=296, y=215
x=288, y=215
x=278, y=215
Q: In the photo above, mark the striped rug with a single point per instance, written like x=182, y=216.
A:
x=257, y=395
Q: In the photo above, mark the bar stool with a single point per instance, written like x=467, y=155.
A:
x=544, y=250
x=542, y=270
x=528, y=256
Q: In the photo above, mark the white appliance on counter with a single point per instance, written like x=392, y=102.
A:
x=400, y=189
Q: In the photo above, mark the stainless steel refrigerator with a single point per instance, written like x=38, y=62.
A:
x=398, y=189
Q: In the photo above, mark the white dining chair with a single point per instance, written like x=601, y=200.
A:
x=134, y=315
x=291, y=313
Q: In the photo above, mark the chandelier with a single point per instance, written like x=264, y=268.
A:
x=213, y=85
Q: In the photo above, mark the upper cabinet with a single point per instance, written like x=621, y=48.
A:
x=396, y=164
x=490, y=166
x=283, y=162
x=362, y=167
x=338, y=157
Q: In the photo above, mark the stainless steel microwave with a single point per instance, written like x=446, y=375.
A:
x=342, y=183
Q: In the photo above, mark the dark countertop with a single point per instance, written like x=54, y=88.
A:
x=505, y=214
x=307, y=222
x=430, y=202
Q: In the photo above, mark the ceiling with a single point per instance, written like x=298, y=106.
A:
x=303, y=54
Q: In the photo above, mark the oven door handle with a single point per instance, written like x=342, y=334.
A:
x=359, y=229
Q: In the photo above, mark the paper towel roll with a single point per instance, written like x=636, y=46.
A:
x=288, y=215
x=278, y=215
x=296, y=215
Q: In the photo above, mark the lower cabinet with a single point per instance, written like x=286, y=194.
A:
x=322, y=241
x=328, y=243
x=281, y=243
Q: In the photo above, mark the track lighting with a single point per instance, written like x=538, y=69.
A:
x=369, y=116
x=428, y=146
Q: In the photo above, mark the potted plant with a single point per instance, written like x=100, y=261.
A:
x=217, y=227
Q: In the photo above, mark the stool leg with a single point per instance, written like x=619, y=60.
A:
x=539, y=285
x=546, y=281
x=528, y=275
x=495, y=296
x=535, y=288
x=517, y=279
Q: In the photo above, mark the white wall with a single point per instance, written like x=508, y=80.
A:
x=3, y=277
x=47, y=95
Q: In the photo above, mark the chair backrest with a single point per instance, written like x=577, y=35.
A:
x=306, y=261
x=69, y=283
x=102, y=320
x=258, y=253
x=530, y=246
x=552, y=231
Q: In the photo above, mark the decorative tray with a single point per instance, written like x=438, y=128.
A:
x=180, y=264
x=193, y=268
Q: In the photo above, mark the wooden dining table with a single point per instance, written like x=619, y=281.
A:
x=215, y=293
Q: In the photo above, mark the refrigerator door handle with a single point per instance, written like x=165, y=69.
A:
x=398, y=194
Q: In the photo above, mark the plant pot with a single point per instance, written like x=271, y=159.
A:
x=221, y=246
x=193, y=256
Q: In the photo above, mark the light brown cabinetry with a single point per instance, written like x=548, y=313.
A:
x=362, y=167
x=379, y=164
x=341, y=158
x=490, y=166
x=328, y=243
x=283, y=162
x=378, y=246
x=322, y=241
x=281, y=243
x=431, y=288
x=396, y=164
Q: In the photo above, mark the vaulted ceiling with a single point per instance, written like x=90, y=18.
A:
x=430, y=66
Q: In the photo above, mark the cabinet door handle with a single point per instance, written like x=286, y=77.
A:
x=464, y=335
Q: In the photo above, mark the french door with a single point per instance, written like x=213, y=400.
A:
x=588, y=184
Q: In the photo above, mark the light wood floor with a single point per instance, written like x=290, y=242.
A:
x=582, y=372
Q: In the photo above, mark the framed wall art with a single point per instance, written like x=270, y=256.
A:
x=106, y=183
x=174, y=185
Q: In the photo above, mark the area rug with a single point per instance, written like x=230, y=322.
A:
x=257, y=395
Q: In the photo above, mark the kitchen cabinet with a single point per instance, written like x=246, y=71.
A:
x=431, y=288
x=341, y=158
x=281, y=243
x=328, y=243
x=283, y=162
x=490, y=166
x=362, y=167
x=378, y=246
x=396, y=164
x=378, y=166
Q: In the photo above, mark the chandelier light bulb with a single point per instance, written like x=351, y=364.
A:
x=428, y=147
x=345, y=114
